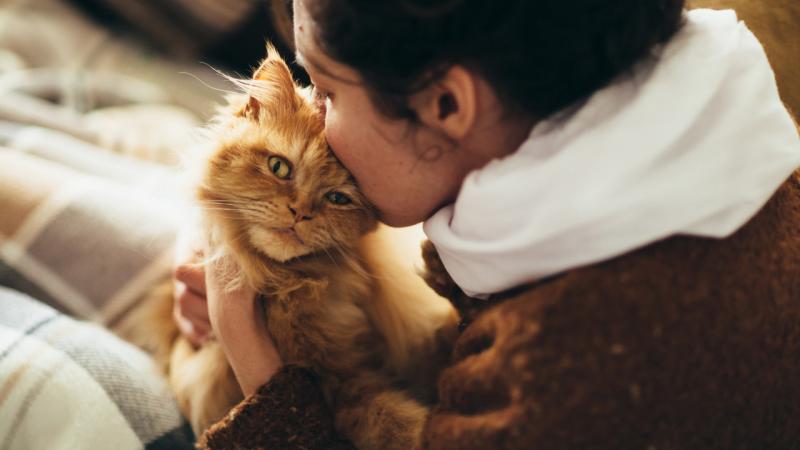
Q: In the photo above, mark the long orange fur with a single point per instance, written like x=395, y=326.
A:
x=337, y=297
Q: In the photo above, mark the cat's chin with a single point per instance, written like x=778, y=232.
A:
x=278, y=244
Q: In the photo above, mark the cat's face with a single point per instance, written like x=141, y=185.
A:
x=271, y=177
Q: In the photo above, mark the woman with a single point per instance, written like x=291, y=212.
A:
x=610, y=188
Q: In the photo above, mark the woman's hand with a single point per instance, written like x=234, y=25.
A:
x=238, y=324
x=190, y=309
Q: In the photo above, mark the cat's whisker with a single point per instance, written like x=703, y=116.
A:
x=228, y=207
x=220, y=205
x=333, y=260
x=221, y=210
x=196, y=78
x=356, y=257
x=228, y=202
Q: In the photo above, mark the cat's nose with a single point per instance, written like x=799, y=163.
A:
x=299, y=216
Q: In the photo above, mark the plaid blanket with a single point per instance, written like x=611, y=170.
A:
x=65, y=384
x=86, y=244
x=88, y=213
x=87, y=225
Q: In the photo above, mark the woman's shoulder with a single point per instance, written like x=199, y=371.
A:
x=681, y=332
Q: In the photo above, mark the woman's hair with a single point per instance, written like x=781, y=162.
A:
x=539, y=56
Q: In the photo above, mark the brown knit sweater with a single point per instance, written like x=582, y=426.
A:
x=685, y=344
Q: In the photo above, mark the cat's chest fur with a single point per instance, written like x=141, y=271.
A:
x=323, y=324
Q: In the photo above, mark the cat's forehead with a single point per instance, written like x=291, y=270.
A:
x=308, y=153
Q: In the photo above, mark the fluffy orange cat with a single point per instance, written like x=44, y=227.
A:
x=285, y=214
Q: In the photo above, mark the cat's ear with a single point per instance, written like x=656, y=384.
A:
x=272, y=86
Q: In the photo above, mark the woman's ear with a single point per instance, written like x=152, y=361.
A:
x=450, y=104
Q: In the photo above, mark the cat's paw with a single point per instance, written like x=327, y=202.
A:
x=435, y=274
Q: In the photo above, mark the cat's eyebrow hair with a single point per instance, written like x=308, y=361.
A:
x=306, y=62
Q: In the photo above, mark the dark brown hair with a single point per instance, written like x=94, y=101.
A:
x=540, y=56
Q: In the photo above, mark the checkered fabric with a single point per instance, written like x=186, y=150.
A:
x=66, y=384
x=86, y=244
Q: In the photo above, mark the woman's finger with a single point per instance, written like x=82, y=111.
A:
x=191, y=304
x=193, y=275
x=195, y=334
x=190, y=312
x=236, y=323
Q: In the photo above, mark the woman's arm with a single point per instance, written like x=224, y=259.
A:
x=284, y=406
x=288, y=412
x=239, y=326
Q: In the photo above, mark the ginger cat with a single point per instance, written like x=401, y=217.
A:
x=288, y=217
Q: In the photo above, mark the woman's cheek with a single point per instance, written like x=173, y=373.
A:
x=348, y=148
x=333, y=133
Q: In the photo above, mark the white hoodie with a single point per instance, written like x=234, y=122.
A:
x=695, y=143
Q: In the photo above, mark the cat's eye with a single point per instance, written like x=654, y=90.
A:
x=280, y=167
x=338, y=198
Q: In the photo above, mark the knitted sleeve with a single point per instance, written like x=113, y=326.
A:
x=289, y=412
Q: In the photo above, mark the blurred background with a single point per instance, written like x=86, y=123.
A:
x=127, y=75
x=98, y=101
